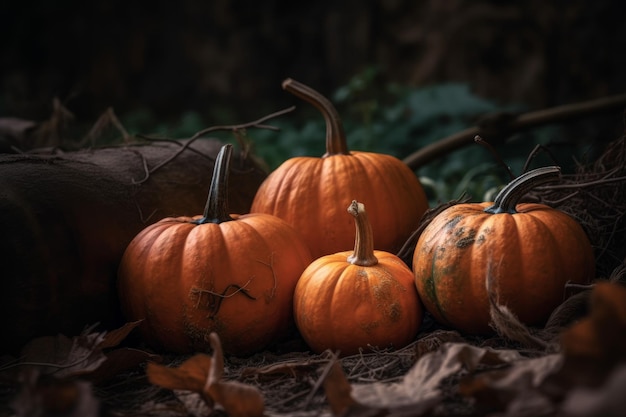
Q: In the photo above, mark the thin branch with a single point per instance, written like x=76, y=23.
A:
x=257, y=123
x=495, y=154
x=497, y=133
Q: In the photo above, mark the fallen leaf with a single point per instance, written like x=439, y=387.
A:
x=601, y=336
x=62, y=356
x=342, y=403
x=238, y=399
x=421, y=384
x=506, y=323
x=338, y=390
x=434, y=340
x=191, y=375
x=583, y=372
x=608, y=400
x=118, y=361
x=46, y=396
x=518, y=386
x=82, y=355
x=115, y=337
x=203, y=374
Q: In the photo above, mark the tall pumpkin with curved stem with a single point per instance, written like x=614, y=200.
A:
x=529, y=251
x=231, y=274
x=310, y=193
x=357, y=299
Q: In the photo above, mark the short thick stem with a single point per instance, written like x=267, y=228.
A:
x=508, y=198
x=335, y=136
x=216, y=208
x=364, y=242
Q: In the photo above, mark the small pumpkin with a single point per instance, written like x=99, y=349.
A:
x=231, y=274
x=391, y=191
x=352, y=300
x=529, y=250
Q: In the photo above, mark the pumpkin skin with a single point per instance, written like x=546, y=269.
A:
x=391, y=192
x=231, y=274
x=351, y=300
x=531, y=254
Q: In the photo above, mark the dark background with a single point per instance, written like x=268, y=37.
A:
x=226, y=59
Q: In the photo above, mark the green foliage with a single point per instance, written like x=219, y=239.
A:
x=392, y=119
x=399, y=120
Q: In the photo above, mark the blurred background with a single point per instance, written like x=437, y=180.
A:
x=402, y=73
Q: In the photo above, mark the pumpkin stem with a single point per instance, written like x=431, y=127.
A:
x=335, y=136
x=512, y=193
x=216, y=208
x=364, y=242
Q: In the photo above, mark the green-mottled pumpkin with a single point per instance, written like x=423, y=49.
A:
x=529, y=250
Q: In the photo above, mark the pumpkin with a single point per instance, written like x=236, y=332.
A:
x=235, y=275
x=528, y=251
x=353, y=300
x=391, y=191
x=67, y=217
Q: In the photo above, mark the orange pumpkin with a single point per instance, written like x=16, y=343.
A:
x=390, y=190
x=357, y=299
x=530, y=251
x=231, y=274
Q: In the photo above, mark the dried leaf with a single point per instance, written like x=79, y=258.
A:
x=63, y=357
x=434, y=340
x=338, y=390
x=506, y=323
x=339, y=394
x=420, y=389
x=194, y=404
x=115, y=337
x=607, y=400
x=238, y=399
x=41, y=396
x=203, y=374
x=600, y=337
x=118, y=361
x=191, y=375
x=515, y=387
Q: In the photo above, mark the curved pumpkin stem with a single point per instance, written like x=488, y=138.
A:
x=364, y=242
x=216, y=208
x=508, y=198
x=335, y=136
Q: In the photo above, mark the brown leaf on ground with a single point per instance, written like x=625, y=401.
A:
x=607, y=400
x=115, y=337
x=422, y=383
x=507, y=324
x=118, y=361
x=338, y=390
x=62, y=356
x=238, y=399
x=584, y=375
x=203, y=374
x=434, y=340
x=52, y=397
x=82, y=355
x=515, y=388
x=190, y=375
x=600, y=337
